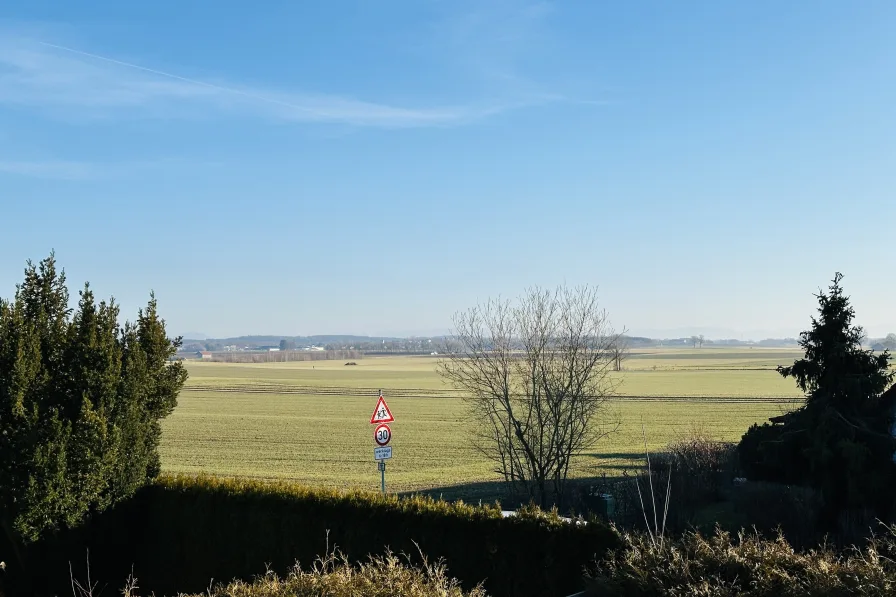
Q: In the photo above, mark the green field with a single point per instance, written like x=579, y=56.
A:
x=309, y=421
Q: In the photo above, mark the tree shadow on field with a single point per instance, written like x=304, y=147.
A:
x=486, y=492
x=616, y=455
x=610, y=466
x=621, y=461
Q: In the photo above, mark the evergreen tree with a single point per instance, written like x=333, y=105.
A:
x=839, y=440
x=81, y=399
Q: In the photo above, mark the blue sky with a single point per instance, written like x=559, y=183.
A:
x=373, y=167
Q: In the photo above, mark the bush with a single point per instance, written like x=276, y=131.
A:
x=745, y=566
x=81, y=400
x=385, y=576
x=181, y=532
x=766, y=454
x=701, y=470
x=773, y=508
x=705, y=463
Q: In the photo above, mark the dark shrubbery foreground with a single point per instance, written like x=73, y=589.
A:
x=384, y=576
x=182, y=535
x=182, y=532
x=723, y=565
x=720, y=565
x=197, y=529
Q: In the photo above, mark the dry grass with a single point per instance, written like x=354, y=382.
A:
x=334, y=576
x=745, y=565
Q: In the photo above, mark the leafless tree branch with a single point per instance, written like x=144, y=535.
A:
x=537, y=376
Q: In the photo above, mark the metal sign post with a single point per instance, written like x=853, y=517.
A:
x=382, y=435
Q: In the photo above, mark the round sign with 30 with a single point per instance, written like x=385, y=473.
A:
x=382, y=435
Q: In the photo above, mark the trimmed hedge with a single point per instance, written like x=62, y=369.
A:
x=182, y=532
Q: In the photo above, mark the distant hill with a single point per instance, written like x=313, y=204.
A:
x=393, y=344
x=266, y=340
x=194, y=336
x=192, y=344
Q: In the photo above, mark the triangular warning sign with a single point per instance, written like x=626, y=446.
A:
x=381, y=414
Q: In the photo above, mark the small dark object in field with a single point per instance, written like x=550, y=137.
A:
x=351, y=363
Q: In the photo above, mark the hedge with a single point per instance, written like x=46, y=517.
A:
x=183, y=532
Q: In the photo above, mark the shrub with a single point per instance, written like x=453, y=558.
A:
x=701, y=469
x=81, y=397
x=773, y=508
x=765, y=456
x=385, y=576
x=705, y=463
x=745, y=566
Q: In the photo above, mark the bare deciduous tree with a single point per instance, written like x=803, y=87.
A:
x=620, y=351
x=537, y=376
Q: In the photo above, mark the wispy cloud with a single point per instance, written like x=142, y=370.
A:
x=71, y=82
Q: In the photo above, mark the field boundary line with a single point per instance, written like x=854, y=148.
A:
x=347, y=392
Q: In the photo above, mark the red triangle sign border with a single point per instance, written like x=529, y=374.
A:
x=381, y=414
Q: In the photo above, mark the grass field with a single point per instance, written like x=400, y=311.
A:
x=309, y=421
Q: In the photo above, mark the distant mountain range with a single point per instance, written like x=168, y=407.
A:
x=194, y=336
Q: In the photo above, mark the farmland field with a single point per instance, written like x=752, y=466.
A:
x=309, y=421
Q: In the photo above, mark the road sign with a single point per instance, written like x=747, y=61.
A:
x=381, y=414
x=382, y=434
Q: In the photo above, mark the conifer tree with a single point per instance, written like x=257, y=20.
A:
x=81, y=399
x=838, y=441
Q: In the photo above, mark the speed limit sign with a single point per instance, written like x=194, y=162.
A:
x=382, y=434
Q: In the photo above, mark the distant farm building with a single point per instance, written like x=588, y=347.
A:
x=204, y=354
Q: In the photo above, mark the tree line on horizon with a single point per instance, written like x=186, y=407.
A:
x=430, y=344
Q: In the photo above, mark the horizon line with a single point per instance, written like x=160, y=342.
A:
x=204, y=337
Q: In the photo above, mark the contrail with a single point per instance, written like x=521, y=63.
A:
x=179, y=78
